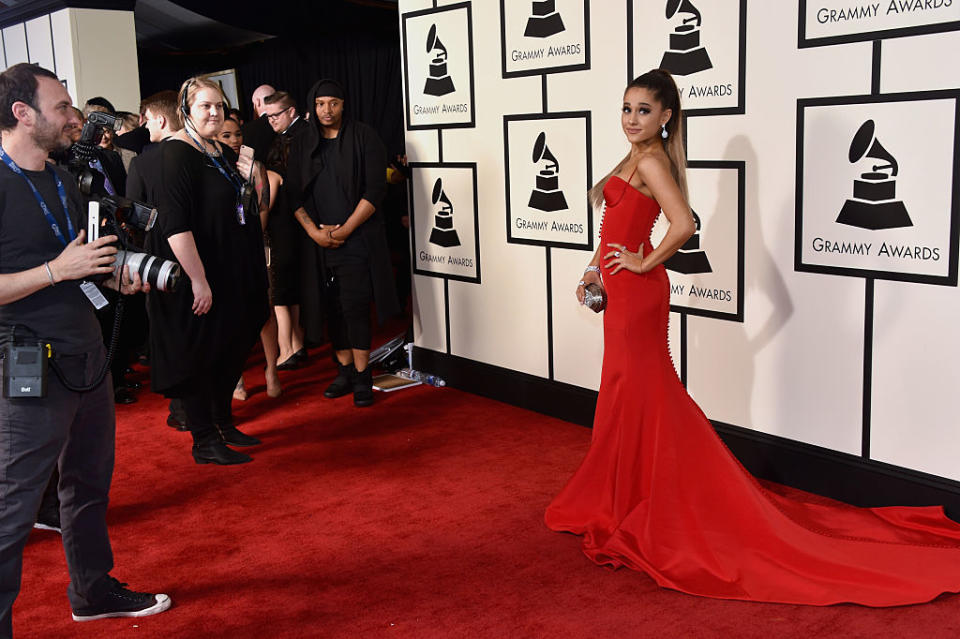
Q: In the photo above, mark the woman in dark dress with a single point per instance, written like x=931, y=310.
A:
x=336, y=180
x=202, y=333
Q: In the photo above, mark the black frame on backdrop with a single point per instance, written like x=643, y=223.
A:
x=740, y=109
x=803, y=42
x=799, y=265
x=472, y=166
x=558, y=115
x=546, y=69
x=467, y=6
x=740, y=167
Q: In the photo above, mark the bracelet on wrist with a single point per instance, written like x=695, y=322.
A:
x=53, y=282
x=595, y=269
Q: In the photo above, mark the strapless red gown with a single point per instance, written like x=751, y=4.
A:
x=659, y=492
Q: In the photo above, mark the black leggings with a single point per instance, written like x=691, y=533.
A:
x=349, y=306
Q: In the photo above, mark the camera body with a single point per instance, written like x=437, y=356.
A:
x=128, y=220
x=110, y=214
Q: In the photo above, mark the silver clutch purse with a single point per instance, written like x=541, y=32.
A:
x=594, y=297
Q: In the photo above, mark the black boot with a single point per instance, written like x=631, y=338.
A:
x=363, y=388
x=342, y=383
x=215, y=451
x=230, y=435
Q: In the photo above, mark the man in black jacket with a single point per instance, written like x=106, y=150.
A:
x=285, y=233
x=337, y=180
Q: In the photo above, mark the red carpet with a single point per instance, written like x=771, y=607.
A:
x=419, y=517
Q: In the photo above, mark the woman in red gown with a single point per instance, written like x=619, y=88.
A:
x=658, y=491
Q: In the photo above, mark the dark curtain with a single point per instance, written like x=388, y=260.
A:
x=368, y=67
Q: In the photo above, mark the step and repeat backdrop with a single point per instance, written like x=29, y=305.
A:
x=817, y=300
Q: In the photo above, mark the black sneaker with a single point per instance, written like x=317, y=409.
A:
x=120, y=602
x=363, y=388
x=343, y=383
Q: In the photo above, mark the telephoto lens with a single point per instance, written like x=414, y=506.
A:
x=161, y=274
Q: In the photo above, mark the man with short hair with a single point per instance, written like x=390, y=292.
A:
x=45, y=298
x=285, y=234
x=160, y=119
x=143, y=181
x=257, y=133
x=159, y=113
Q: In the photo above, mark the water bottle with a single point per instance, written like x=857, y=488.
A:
x=423, y=378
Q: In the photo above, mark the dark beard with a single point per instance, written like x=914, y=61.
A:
x=48, y=137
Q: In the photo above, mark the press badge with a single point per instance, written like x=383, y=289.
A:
x=93, y=294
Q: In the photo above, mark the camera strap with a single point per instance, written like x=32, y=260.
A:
x=43, y=205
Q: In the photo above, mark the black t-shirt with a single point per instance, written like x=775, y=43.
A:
x=334, y=207
x=60, y=314
x=143, y=178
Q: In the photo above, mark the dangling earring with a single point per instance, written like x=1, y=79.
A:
x=664, y=133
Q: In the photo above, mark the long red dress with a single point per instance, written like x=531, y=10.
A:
x=659, y=492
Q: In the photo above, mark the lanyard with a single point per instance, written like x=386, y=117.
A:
x=235, y=180
x=43, y=205
x=97, y=166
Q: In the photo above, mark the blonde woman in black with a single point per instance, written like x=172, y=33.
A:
x=202, y=333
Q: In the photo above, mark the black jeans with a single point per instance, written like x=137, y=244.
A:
x=349, y=303
x=74, y=431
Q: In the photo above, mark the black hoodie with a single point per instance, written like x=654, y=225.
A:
x=362, y=173
x=362, y=165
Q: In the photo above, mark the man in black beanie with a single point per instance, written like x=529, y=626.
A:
x=337, y=181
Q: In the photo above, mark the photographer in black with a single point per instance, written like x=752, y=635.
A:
x=44, y=297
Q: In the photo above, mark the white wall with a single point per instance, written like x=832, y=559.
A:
x=793, y=366
x=93, y=51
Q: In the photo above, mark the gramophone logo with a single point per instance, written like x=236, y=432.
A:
x=874, y=204
x=438, y=82
x=544, y=20
x=685, y=56
x=547, y=195
x=443, y=233
x=690, y=259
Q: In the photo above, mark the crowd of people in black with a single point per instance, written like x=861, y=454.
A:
x=279, y=227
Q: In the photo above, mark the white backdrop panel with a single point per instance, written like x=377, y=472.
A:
x=916, y=377
x=429, y=325
x=15, y=44
x=794, y=366
x=63, y=50
x=40, y=42
x=899, y=74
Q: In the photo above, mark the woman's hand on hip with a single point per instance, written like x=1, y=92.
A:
x=620, y=258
